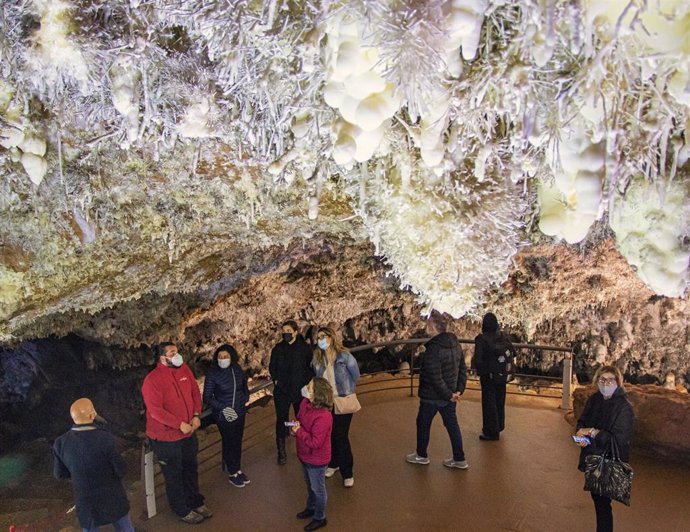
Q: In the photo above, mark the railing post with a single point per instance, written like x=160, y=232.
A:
x=567, y=381
x=412, y=372
x=149, y=481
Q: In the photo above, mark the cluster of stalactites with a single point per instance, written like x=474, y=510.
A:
x=581, y=101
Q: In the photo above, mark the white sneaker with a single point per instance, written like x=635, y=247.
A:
x=349, y=482
x=414, y=458
x=460, y=464
x=330, y=471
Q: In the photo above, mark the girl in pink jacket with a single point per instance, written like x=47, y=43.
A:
x=313, y=432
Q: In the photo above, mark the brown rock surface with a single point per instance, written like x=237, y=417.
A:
x=662, y=419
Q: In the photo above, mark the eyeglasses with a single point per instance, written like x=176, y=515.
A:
x=603, y=381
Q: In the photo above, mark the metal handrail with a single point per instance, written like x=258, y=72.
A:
x=148, y=471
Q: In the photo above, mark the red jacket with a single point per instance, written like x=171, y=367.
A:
x=171, y=396
x=314, y=434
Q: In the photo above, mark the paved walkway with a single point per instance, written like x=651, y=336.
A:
x=526, y=482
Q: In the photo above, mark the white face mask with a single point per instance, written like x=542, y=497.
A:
x=176, y=360
x=607, y=390
x=305, y=393
x=323, y=343
x=224, y=363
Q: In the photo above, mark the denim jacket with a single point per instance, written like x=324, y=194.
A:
x=346, y=373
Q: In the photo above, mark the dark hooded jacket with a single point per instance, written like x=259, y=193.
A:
x=290, y=368
x=443, y=370
x=487, y=346
x=614, y=418
x=87, y=454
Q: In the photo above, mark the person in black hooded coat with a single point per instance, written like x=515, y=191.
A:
x=607, y=419
x=290, y=369
x=488, y=346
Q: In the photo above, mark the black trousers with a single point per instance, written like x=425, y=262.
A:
x=231, y=434
x=341, y=452
x=179, y=466
x=602, y=506
x=493, y=406
x=282, y=405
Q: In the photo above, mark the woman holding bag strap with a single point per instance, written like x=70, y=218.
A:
x=334, y=363
x=226, y=392
x=607, y=417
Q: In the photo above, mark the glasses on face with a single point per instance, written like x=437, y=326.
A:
x=604, y=381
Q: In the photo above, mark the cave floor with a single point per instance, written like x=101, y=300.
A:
x=526, y=482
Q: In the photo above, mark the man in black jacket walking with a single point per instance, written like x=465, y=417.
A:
x=442, y=379
x=290, y=370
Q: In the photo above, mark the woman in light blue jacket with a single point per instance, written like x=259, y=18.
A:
x=334, y=363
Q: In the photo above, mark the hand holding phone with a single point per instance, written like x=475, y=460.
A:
x=291, y=423
x=582, y=439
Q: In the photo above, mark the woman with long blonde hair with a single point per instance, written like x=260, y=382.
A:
x=334, y=363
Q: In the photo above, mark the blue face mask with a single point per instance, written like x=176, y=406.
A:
x=323, y=343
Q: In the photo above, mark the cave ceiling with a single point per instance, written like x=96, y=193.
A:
x=160, y=157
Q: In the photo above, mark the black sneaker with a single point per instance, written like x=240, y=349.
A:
x=316, y=524
x=244, y=477
x=483, y=437
x=305, y=514
x=236, y=480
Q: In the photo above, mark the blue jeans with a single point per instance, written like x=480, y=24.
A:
x=426, y=414
x=315, y=477
x=124, y=524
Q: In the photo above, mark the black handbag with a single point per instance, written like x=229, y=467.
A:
x=608, y=476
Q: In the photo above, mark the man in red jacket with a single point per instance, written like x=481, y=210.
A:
x=173, y=405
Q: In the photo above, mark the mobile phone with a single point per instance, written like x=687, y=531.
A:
x=582, y=439
x=291, y=423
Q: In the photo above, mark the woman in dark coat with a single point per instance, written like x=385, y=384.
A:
x=606, y=419
x=227, y=393
x=489, y=346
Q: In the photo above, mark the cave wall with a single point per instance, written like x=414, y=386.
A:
x=589, y=299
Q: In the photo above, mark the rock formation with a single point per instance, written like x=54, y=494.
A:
x=662, y=419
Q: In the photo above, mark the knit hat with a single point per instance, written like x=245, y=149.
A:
x=489, y=323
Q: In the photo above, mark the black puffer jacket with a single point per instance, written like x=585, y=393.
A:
x=290, y=368
x=226, y=387
x=443, y=369
x=613, y=418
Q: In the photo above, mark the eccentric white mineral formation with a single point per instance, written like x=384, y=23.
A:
x=652, y=226
x=195, y=124
x=55, y=57
x=424, y=116
x=125, y=94
x=356, y=88
x=570, y=206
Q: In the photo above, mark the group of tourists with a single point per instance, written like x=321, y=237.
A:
x=319, y=382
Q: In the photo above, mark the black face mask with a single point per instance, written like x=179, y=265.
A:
x=287, y=337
